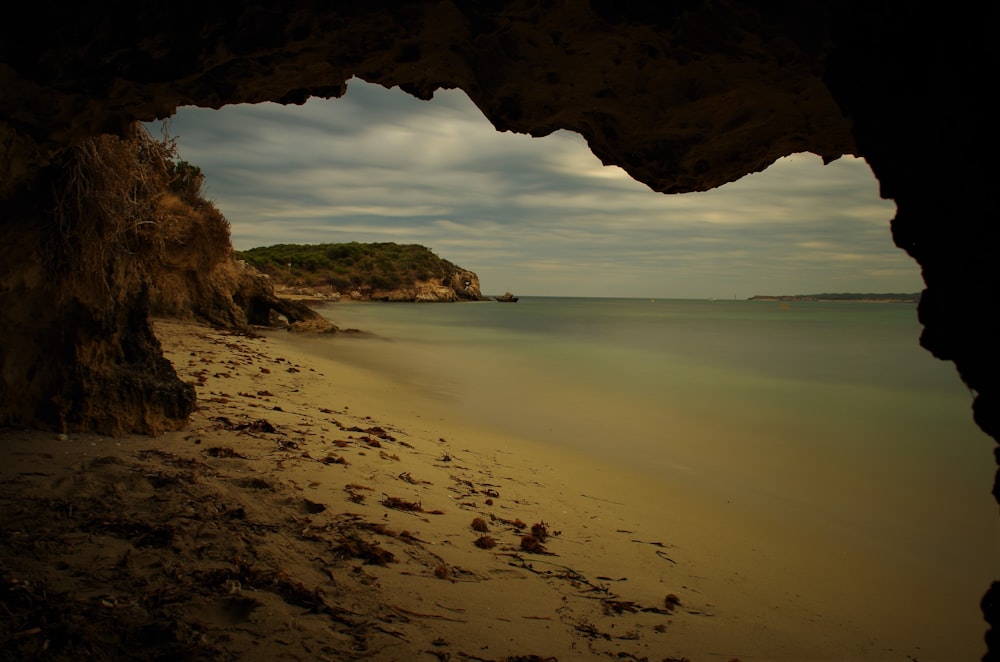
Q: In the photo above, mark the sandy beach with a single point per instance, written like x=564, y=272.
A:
x=316, y=511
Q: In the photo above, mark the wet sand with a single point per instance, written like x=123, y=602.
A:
x=314, y=510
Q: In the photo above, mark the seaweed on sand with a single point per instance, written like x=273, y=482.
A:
x=398, y=503
x=485, y=542
x=352, y=545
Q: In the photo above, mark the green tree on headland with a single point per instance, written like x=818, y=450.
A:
x=349, y=266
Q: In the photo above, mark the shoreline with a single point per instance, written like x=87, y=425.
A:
x=820, y=299
x=317, y=509
x=764, y=565
x=290, y=520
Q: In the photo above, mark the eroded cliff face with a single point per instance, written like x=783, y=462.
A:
x=77, y=351
x=197, y=275
x=684, y=96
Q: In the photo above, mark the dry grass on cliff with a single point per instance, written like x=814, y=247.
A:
x=121, y=204
x=192, y=232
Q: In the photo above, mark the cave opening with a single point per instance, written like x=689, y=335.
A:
x=532, y=215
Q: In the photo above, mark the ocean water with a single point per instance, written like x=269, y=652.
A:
x=809, y=399
x=827, y=416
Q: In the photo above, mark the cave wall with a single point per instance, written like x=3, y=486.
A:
x=77, y=247
x=685, y=95
x=923, y=124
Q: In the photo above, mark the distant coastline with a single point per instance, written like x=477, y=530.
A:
x=890, y=297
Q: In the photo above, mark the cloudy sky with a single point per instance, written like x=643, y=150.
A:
x=534, y=216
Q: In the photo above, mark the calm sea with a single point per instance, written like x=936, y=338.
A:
x=826, y=413
x=811, y=397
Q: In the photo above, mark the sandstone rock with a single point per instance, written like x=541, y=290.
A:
x=318, y=325
x=461, y=286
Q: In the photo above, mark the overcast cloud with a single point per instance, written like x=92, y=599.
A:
x=537, y=216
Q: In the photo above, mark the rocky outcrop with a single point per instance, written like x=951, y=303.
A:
x=459, y=286
x=197, y=275
x=228, y=293
x=194, y=271
x=264, y=308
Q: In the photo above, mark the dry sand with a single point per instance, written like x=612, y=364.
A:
x=314, y=511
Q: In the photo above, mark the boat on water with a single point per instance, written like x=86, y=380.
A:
x=506, y=298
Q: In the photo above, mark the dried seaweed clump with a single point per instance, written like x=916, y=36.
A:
x=397, y=503
x=353, y=494
x=540, y=530
x=479, y=524
x=485, y=542
x=354, y=546
x=530, y=543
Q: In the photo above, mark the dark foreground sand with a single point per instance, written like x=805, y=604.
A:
x=309, y=513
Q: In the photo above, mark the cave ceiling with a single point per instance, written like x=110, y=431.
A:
x=684, y=96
